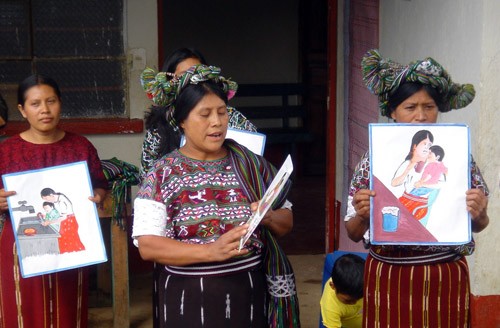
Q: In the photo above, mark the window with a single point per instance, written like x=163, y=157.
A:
x=79, y=43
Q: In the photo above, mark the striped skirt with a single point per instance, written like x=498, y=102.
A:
x=56, y=300
x=232, y=300
x=432, y=295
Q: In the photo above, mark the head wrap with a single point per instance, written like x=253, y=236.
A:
x=384, y=76
x=163, y=88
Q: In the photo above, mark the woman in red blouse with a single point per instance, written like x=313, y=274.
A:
x=57, y=299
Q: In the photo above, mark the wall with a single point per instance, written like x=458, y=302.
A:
x=463, y=36
x=140, y=36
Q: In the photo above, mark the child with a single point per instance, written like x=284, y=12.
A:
x=52, y=216
x=434, y=168
x=342, y=299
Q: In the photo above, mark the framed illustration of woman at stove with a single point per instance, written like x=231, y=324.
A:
x=55, y=225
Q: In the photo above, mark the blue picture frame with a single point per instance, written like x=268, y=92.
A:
x=420, y=173
x=58, y=231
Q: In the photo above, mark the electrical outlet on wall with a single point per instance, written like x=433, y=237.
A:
x=138, y=58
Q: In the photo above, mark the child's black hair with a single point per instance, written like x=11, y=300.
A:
x=348, y=275
x=438, y=151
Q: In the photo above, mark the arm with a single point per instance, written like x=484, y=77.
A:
x=359, y=221
x=280, y=221
x=172, y=252
x=399, y=177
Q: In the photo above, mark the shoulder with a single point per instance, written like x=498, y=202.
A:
x=70, y=136
x=77, y=141
x=15, y=139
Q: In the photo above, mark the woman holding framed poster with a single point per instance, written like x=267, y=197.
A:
x=424, y=285
x=57, y=299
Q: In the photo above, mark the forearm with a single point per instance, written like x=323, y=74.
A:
x=280, y=221
x=356, y=227
x=171, y=252
x=480, y=224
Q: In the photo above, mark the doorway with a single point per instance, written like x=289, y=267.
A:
x=262, y=42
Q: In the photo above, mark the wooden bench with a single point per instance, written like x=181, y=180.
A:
x=278, y=111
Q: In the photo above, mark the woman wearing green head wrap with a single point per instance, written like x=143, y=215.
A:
x=158, y=141
x=191, y=211
x=414, y=286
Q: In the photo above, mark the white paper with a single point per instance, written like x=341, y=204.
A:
x=271, y=193
x=254, y=141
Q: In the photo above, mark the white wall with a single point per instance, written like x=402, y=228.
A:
x=464, y=37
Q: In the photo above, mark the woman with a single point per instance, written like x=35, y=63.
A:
x=58, y=299
x=69, y=241
x=158, y=141
x=414, y=286
x=410, y=172
x=190, y=214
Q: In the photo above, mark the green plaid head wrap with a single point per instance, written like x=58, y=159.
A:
x=163, y=87
x=383, y=77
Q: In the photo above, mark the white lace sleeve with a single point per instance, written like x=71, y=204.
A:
x=288, y=205
x=150, y=218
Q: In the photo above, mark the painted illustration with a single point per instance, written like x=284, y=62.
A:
x=414, y=182
x=265, y=203
x=55, y=224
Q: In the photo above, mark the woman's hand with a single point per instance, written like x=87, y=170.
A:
x=361, y=203
x=173, y=252
x=477, y=205
x=397, y=181
x=99, y=195
x=226, y=246
x=4, y=206
x=357, y=226
x=280, y=222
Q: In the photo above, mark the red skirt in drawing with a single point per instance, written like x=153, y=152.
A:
x=416, y=205
x=70, y=240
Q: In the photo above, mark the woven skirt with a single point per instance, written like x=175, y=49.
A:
x=232, y=300
x=432, y=295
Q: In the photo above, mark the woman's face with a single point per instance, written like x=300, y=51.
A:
x=421, y=151
x=205, y=129
x=418, y=108
x=184, y=65
x=41, y=108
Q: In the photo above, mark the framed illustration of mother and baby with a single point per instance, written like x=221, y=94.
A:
x=420, y=173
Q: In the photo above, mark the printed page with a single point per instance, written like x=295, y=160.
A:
x=271, y=193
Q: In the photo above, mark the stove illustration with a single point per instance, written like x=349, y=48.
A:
x=34, y=238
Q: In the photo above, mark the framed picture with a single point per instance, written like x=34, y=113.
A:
x=56, y=226
x=420, y=173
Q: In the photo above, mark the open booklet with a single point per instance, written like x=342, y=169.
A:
x=265, y=203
